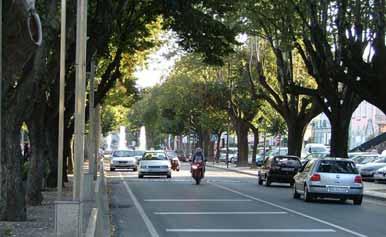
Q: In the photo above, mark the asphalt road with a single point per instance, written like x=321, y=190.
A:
x=230, y=204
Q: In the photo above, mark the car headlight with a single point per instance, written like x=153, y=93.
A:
x=143, y=166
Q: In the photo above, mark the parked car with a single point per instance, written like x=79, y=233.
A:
x=312, y=156
x=361, y=160
x=280, y=169
x=259, y=160
x=368, y=170
x=232, y=157
x=123, y=159
x=380, y=175
x=277, y=151
x=314, y=148
x=351, y=155
x=329, y=178
x=154, y=163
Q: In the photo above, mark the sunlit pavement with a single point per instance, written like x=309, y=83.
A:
x=231, y=204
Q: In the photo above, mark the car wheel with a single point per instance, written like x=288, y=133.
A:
x=140, y=176
x=259, y=180
x=358, y=200
x=112, y=169
x=307, y=196
x=296, y=194
x=343, y=200
x=169, y=176
x=135, y=169
x=268, y=181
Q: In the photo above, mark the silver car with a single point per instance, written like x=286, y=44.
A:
x=380, y=175
x=123, y=159
x=329, y=178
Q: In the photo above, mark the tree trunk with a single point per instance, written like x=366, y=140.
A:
x=255, y=144
x=37, y=168
x=296, y=130
x=218, y=146
x=242, y=143
x=52, y=142
x=12, y=193
x=340, y=124
x=205, y=143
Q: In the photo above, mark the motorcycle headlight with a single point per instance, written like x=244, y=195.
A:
x=194, y=167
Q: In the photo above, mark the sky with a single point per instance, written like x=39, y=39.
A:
x=160, y=63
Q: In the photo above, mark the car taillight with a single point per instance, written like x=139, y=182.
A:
x=358, y=179
x=315, y=177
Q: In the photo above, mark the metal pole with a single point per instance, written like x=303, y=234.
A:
x=61, y=98
x=92, y=133
x=79, y=97
x=1, y=81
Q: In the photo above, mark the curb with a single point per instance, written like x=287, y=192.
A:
x=368, y=195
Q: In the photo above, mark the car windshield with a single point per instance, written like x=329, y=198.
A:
x=139, y=153
x=123, y=153
x=287, y=161
x=154, y=156
x=339, y=167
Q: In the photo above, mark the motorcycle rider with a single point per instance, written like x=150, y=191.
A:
x=199, y=156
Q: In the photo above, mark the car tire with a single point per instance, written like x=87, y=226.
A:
x=259, y=180
x=112, y=169
x=135, y=169
x=140, y=176
x=358, y=200
x=296, y=194
x=307, y=196
x=268, y=181
x=343, y=200
x=169, y=176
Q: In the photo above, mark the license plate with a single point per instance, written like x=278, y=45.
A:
x=288, y=169
x=336, y=189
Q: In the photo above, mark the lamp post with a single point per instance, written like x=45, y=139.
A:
x=61, y=98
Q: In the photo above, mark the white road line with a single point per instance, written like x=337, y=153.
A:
x=197, y=200
x=290, y=210
x=254, y=230
x=223, y=213
x=145, y=218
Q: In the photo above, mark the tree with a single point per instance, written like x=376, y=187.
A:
x=276, y=67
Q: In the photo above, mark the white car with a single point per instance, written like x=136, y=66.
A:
x=155, y=163
x=380, y=175
x=123, y=159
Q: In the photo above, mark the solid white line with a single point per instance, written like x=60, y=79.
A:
x=145, y=218
x=290, y=210
x=223, y=213
x=197, y=200
x=254, y=230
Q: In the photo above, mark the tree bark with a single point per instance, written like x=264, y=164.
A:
x=242, y=142
x=255, y=144
x=218, y=146
x=340, y=124
x=39, y=154
x=296, y=130
x=12, y=192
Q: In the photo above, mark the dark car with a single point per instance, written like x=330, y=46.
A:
x=279, y=169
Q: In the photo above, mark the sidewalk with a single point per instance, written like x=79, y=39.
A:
x=372, y=190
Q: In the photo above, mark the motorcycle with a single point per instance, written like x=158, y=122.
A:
x=175, y=164
x=198, y=171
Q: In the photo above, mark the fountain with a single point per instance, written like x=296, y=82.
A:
x=122, y=138
x=142, y=139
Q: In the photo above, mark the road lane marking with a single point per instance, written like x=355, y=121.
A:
x=223, y=213
x=197, y=200
x=290, y=210
x=254, y=230
x=145, y=218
